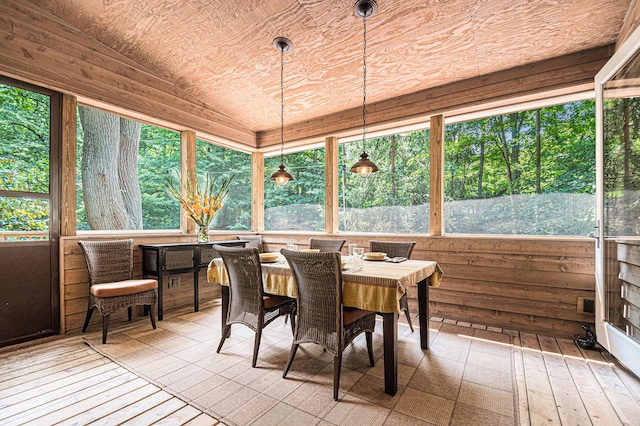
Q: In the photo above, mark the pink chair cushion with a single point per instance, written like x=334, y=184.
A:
x=123, y=288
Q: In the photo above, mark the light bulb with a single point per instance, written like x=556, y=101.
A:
x=364, y=171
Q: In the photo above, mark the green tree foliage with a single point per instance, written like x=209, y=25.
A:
x=530, y=172
x=223, y=163
x=394, y=199
x=299, y=205
x=622, y=166
x=24, y=158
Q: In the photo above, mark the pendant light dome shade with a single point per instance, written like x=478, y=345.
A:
x=282, y=177
x=364, y=167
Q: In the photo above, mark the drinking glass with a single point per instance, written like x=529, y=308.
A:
x=292, y=245
x=351, y=247
x=358, y=255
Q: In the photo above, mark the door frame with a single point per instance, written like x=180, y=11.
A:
x=54, y=197
x=624, y=348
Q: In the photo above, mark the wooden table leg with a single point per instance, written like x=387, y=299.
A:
x=390, y=335
x=225, y=305
x=423, y=312
x=196, y=291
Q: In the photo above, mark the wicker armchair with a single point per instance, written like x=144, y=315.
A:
x=321, y=317
x=248, y=304
x=110, y=265
x=326, y=245
x=396, y=249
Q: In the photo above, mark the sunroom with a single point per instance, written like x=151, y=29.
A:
x=505, y=135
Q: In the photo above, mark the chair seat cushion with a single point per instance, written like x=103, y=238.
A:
x=123, y=288
x=350, y=315
x=272, y=301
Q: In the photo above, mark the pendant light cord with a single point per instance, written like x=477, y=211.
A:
x=364, y=85
x=281, y=106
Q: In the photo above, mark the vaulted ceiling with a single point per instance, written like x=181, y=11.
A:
x=222, y=53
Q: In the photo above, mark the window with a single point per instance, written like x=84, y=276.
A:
x=122, y=169
x=394, y=199
x=223, y=163
x=299, y=205
x=529, y=172
x=24, y=164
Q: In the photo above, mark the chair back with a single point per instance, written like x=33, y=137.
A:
x=108, y=261
x=318, y=281
x=326, y=245
x=245, y=284
x=254, y=240
x=393, y=249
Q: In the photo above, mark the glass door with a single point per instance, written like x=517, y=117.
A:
x=618, y=185
x=29, y=205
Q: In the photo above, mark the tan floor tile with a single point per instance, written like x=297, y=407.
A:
x=398, y=419
x=405, y=372
x=191, y=380
x=371, y=389
x=179, y=374
x=161, y=367
x=436, y=384
x=312, y=398
x=248, y=409
x=487, y=398
x=273, y=385
x=283, y=414
x=442, y=365
x=176, y=344
x=495, y=362
x=195, y=353
x=489, y=377
x=202, y=388
x=454, y=353
x=141, y=357
x=355, y=411
x=426, y=407
x=464, y=415
x=214, y=396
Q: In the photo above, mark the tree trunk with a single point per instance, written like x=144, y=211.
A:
x=103, y=196
x=481, y=169
x=128, y=170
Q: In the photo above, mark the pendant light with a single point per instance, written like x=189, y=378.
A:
x=282, y=177
x=364, y=167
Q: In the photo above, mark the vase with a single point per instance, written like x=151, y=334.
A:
x=203, y=233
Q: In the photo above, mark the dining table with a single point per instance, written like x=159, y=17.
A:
x=377, y=286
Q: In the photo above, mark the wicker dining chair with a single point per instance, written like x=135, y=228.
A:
x=326, y=245
x=322, y=319
x=112, y=287
x=248, y=304
x=396, y=249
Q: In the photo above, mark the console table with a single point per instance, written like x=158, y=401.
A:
x=162, y=260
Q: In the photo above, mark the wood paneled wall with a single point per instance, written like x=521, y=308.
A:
x=522, y=283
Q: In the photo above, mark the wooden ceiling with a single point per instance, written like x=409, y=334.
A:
x=222, y=53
